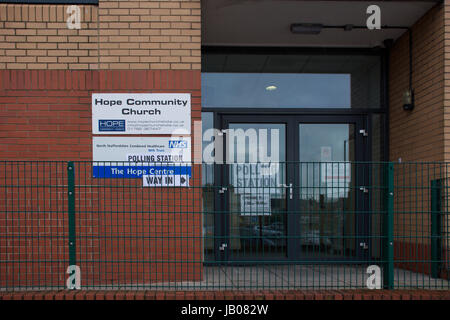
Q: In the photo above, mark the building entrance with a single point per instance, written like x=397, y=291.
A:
x=286, y=190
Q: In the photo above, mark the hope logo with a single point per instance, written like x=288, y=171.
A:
x=111, y=125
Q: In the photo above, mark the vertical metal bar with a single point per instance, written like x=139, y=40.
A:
x=435, y=227
x=71, y=209
x=389, y=223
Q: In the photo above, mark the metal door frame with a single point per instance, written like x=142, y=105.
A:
x=292, y=122
x=361, y=176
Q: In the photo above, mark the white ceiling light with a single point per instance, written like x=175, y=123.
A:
x=271, y=88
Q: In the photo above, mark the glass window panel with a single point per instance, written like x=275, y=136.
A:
x=280, y=90
x=258, y=221
x=327, y=203
x=301, y=81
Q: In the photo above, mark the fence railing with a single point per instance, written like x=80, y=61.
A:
x=223, y=226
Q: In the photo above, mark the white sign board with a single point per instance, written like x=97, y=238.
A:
x=141, y=113
x=258, y=178
x=134, y=157
x=255, y=204
x=176, y=180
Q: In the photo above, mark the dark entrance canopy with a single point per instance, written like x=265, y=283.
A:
x=267, y=22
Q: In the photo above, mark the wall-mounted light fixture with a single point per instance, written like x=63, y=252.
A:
x=316, y=28
x=408, y=95
x=306, y=28
x=408, y=100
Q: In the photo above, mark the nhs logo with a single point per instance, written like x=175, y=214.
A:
x=111, y=125
x=178, y=144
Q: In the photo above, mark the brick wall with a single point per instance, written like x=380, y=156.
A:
x=150, y=34
x=46, y=114
x=418, y=135
x=47, y=76
x=446, y=223
x=347, y=294
x=37, y=37
x=115, y=35
x=124, y=234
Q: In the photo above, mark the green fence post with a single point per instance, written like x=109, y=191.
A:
x=435, y=227
x=71, y=208
x=389, y=223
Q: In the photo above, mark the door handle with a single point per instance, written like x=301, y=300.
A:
x=364, y=189
x=223, y=189
x=291, y=191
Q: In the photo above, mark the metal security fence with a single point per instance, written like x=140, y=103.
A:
x=223, y=226
x=421, y=225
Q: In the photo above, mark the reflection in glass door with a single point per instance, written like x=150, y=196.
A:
x=288, y=190
x=327, y=202
x=257, y=221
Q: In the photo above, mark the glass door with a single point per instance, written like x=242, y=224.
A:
x=289, y=189
x=257, y=203
x=331, y=219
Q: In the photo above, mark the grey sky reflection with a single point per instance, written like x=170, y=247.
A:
x=305, y=90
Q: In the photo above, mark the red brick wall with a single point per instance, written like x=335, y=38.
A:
x=47, y=76
x=116, y=34
x=126, y=234
x=418, y=135
x=46, y=114
x=346, y=294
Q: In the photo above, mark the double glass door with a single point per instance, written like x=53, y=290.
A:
x=292, y=189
